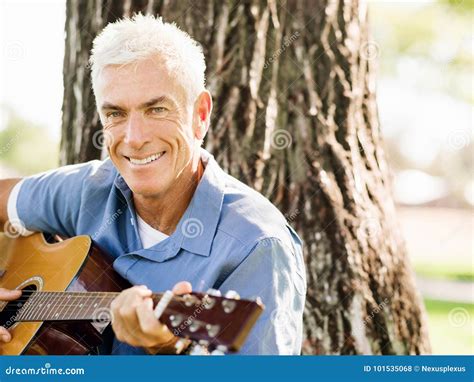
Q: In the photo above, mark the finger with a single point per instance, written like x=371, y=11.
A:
x=142, y=290
x=182, y=287
x=152, y=331
x=129, y=320
x=5, y=335
x=128, y=298
x=7, y=294
x=125, y=323
x=149, y=327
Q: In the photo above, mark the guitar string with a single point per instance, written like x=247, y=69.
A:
x=84, y=316
x=74, y=296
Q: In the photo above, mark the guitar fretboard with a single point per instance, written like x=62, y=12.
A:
x=63, y=306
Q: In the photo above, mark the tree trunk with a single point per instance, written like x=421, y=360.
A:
x=295, y=117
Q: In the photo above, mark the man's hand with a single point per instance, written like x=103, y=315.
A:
x=7, y=295
x=133, y=320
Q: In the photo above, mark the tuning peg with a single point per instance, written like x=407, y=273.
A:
x=195, y=325
x=220, y=350
x=208, y=302
x=190, y=300
x=228, y=305
x=232, y=294
x=212, y=330
x=214, y=292
x=256, y=299
x=198, y=350
x=176, y=320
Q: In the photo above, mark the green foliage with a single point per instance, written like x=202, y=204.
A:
x=450, y=326
x=451, y=271
x=461, y=6
x=435, y=36
x=27, y=148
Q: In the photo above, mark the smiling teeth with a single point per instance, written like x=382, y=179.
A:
x=146, y=160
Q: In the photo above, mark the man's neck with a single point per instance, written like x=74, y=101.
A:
x=165, y=211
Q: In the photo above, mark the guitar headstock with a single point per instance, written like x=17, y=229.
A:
x=213, y=321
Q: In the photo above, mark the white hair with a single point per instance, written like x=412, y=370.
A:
x=130, y=40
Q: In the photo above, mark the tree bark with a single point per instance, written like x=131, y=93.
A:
x=295, y=117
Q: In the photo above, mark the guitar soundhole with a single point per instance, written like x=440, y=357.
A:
x=11, y=310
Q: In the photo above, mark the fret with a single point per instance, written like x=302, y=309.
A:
x=76, y=311
x=88, y=301
x=96, y=313
x=33, y=306
x=51, y=312
x=68, y=304
x=40, y=300
x=22, y=312
x=27, y=309
x=52, y=306
x=43, y=302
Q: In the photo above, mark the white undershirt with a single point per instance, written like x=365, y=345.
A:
x=148, y=235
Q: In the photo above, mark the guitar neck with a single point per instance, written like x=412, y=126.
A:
x=65, y=306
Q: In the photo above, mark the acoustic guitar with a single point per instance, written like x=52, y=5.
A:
x=68, y=286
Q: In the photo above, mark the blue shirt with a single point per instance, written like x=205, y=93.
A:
x=229, y=238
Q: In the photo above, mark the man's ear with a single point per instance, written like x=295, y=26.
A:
x=202, y=114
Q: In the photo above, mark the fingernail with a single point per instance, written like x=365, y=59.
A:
x=5, y=338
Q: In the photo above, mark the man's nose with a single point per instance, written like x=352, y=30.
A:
x=136, y=134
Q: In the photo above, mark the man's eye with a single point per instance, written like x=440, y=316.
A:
x=114, y=114
x=159, y=110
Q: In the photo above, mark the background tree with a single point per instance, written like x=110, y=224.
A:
x=295, y=117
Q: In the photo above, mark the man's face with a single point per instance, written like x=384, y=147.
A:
x=149, y=124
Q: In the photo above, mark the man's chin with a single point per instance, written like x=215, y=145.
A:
x=145, y=189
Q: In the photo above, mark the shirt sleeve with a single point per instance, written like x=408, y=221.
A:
x=50, y=201
x=276, y=274
x=13, y=219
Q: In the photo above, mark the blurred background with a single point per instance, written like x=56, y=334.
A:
x=425, y=103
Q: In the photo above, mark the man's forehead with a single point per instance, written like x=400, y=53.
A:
x=141, y=81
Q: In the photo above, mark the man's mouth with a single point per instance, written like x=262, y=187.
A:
x=146, y=160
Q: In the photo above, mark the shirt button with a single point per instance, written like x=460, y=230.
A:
x=132, y=222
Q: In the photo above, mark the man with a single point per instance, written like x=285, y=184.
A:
x=161, y=204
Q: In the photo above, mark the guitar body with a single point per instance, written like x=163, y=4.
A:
x=33, y=263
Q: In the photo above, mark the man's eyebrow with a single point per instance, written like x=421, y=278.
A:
x=110, y=106
x=156, y=100
x=153, y=101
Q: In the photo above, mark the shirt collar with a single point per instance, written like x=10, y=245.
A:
x=196, y=229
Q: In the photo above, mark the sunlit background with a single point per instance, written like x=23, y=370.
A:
x=424, y=53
